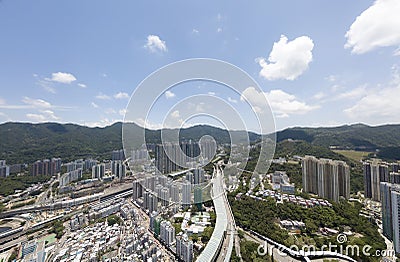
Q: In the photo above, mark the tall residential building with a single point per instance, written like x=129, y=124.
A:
x=198, y=197
x=198, y=176
x=396, y=220
x=327, y=178
x=164, y=196
x=170, y=157
x=394, y=178
x=137, y=189
x=310, y=169
x=174, y=193
x=150, y=201
x=118, y=169
x=118, y=155
x=344, y=179
x=374, y=174
x=167, y=232
x=4, y=169
x=98, y=171
x=46, y=167
x=386, y=200
x=186, y=193
x=367, y=180
x=184, y=248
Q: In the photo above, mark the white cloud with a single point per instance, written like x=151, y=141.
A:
x=219, y=29
x=101, y=123
x=122, y=112
x=121, y=95
x=230, y=99
x=36, y=117
x=331, y=78
x=319, y=95
x=352, y=94
x=82, y=85
x=45, y=115
x=378, y=105
x=169, y=94
x=154, y=44
x=288, y=59
x=102, y=96
x=94, y=105
x=211, y=93
x=175, y=114
x=49, y=115
x=64, y=78
x=47, y=85
x=148, y=124
x=36, y=103
x=195, y=31
x=281, y=103
x=2, y=101
x=378, y=26
x=110, y=111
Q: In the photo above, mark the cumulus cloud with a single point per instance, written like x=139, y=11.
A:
x=378, y=26
x=94, y=105
x=102, y=96
x=288, y=59
x=82, y=85
x=121, y=95
x=169, y=94
x=64, y=78
x=281, y=103
x=155, y=44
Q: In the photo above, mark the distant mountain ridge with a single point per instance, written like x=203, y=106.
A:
x=26, y=142
x=357, y=136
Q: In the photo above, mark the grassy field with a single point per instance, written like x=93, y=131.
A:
x=352, y=154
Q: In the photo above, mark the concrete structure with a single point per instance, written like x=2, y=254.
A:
x=4, y=169
x=184, y=248
x=327, y=178
x=186, y=193
x=396, y=220
x=375, y=172
x=46, y=167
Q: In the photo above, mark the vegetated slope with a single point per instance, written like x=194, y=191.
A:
x=26, y=142
x=356, y=136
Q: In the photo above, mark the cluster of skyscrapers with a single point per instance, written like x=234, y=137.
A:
x=170, y=157
x=46, y=167
x=110, y=169
x=155, y=192
x=326, y=178
x=382, y=183
x=376, y=172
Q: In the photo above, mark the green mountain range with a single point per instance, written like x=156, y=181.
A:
x=26, y=142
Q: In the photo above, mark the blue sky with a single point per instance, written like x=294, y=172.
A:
x=319, y=63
